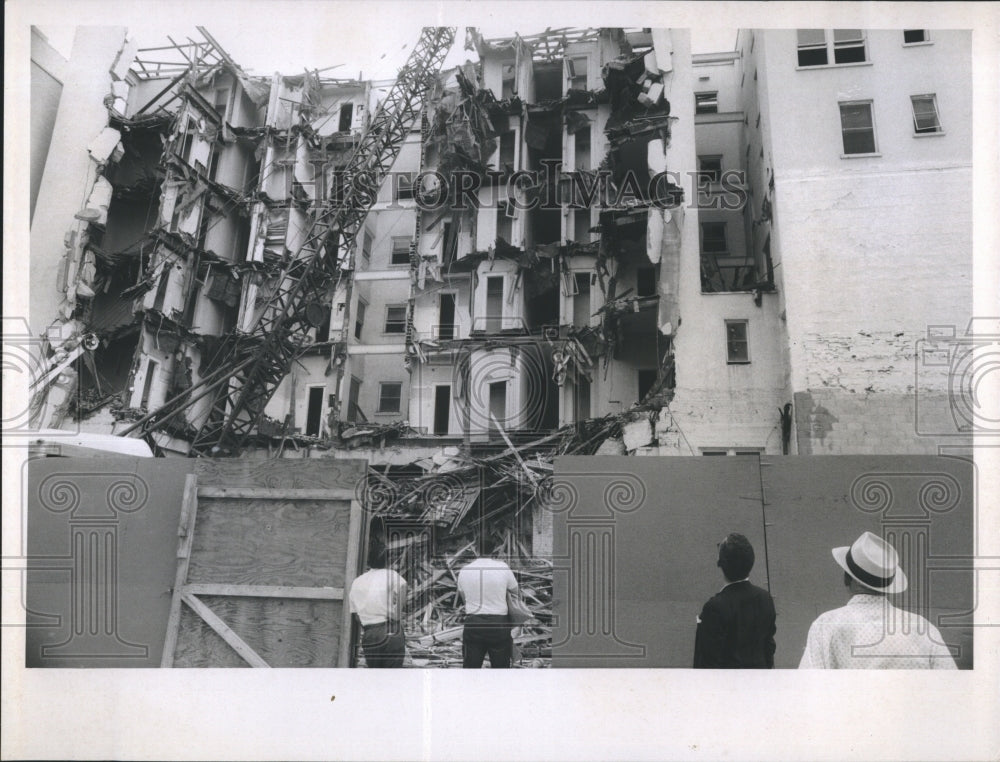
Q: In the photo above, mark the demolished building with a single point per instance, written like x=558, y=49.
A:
x=506, y=313
x=583, y=222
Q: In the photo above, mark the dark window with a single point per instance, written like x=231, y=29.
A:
x=812, y=47
x=147, y=384
x=314, y=415
x=645, y=281
x=346, y=117
x=449, y=242
x=914, y=35
x=366, y=245
x=446, y=317
x=582, y=140
x=581, y=225
x=352, y=400
x=848, y=46
x=706, y=103
x=400, y=250
x=442, y=408
x=390, y=395
x=498, y=408
x=737, y=343
x=581, y=300
x=395, y=319
x=187, y=145
x=359, y=320
x=714, y=452
x=925, y=116
x=582, y=398
x=507, y=152
x=213, y=163
x=713, y=238
x=857, y=128
x=505, y=221
x=710, y=168
x=646, y=380
x=494, y=303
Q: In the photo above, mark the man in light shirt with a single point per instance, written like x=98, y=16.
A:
x=869, y=632
x=377, y=598
x=483, y=585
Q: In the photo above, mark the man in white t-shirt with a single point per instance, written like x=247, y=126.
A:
x=483, y=586
x=377, y=598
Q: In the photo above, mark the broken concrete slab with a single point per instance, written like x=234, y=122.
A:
x=105, y=144
x=126, y=57
x=100, y=199
x=611, y=446
x=637, y=434
x=650, y=62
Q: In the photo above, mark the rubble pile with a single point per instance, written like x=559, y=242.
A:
x=431, y=517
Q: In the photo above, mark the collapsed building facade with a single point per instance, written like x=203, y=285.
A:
x=512, y=305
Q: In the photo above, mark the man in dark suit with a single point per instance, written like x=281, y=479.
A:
x=736, y=627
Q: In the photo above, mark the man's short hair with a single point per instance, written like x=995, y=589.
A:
x=377, y=556
x=736, y=557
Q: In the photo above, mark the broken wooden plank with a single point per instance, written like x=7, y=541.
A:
x=185, y=529
x=353, y=552
x=266, y=591
x=224, y=631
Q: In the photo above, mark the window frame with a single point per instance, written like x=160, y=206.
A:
x=323, y=409
x=572, y=75
x=830, y=48
x=379, y=408
x=713, y=179
x=925, y=41
x=392, y=250
x=845, y=154
x=850, y=44
x=745, y=323
x=713, y=95
x=404, y=187
x=402, y=323
x=938, y=128
x=360, y=313
x=725, y=237
x=367, y=242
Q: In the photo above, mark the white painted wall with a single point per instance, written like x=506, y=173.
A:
x=874, y=249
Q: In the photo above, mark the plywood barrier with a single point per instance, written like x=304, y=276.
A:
x=635, y=546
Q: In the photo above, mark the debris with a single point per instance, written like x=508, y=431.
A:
x=107, y=144
x=637, y=434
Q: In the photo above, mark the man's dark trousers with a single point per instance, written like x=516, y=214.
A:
x=486, y=633
x=384, y=645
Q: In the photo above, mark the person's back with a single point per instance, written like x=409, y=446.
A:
x=745, y=624
x=870, y=633
x=737, y=625
x=376, y=598
x=484, y=584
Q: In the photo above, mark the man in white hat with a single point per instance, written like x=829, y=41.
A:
x=869, y=632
